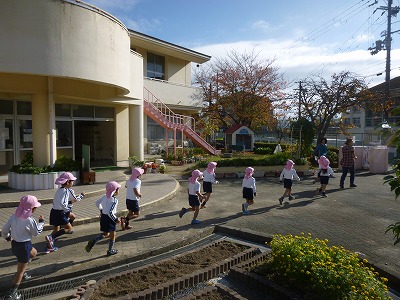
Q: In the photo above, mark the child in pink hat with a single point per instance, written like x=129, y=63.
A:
x=208, y=181
x=61, y=214
x=108, y=220
x=19, y=229
x=194, y=196
x=325, y=171
x=248, y=189
x=133, y=195
x=287, y=175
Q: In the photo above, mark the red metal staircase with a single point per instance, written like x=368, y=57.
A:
x=159, y=112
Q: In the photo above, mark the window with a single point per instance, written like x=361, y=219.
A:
x=24, y=108
x=63, y=110
x=155, y=66
x=357, y=122
x=64, y=133
x=6, y=107
x=104, y=112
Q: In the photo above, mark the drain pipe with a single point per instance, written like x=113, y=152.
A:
x=52, y=121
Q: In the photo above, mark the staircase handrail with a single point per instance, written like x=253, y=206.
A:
x=174, y=118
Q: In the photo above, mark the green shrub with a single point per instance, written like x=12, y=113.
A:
x=311, y=266
x=263, y=150
x=61, y=164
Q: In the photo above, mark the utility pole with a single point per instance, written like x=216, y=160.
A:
x=386, y=44
x=300, y=91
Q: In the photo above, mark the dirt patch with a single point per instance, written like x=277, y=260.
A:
x=166, y=271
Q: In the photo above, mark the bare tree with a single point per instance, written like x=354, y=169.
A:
x=322, y=102
x=238, y=89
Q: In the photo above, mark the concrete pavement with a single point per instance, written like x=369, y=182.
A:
x=355, y=218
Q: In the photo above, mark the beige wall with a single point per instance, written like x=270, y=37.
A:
x=60, y=39
x=121, y=149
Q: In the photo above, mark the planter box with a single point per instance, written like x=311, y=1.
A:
x=33, y=182
x=258, y=174
x=230, y=175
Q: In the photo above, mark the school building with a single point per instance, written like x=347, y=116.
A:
x=72, y=75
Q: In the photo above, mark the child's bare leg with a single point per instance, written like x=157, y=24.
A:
x=196, y=212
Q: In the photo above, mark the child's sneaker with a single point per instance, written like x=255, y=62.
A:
x=26, y=276
x=196, y=222
x=50, y=241
x=89, y=246
x=112, y=252
x=324, y=194
x=280, y=200
x=291, y=198
x=314, y=181
x=182, y=212
x=203, y=204
x=47, y=250
x=246, y=212
x=128, y=227
x=122, y=221
x=14, y=296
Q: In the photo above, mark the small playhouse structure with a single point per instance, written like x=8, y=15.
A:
x=239, y=137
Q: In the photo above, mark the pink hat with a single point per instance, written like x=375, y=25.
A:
x=64, y=177
x=111, y=187
x=289, y=164
x=248, y=172
x=211, y=167
x=323, y=162
x=195, y=174
x=24, y=209
x=136, y=172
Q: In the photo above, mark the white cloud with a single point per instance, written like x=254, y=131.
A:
x=261, y=25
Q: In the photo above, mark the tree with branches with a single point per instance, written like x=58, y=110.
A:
x=240, y=89
x=322, y=101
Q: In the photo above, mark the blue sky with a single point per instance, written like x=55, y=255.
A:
x=305, y=38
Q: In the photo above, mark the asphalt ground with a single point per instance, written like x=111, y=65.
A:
x=355, y=218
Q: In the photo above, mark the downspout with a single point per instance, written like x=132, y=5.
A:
x=52, y=122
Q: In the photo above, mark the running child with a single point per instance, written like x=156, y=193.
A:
x=22, y=227
x=287, y=175
x=325, y=172
x=208, y=181
x=108, y=219
x=249, y=189
x=133, y=196
x=194, y=196
x=60, y=214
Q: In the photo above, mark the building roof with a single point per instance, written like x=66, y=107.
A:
x=233, y=128
x=149, y=42
x=394, y=87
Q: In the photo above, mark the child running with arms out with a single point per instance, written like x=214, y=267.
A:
x=108, y=220
x=325, y=172
x=194, y=196
x=22, y=227
x=287, y=175
x=208, y=181
x=60, y=214
x=133, y=195
x=249, y=189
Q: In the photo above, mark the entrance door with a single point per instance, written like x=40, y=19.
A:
x=99, y=135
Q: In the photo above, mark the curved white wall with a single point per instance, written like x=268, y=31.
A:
x=61, y=39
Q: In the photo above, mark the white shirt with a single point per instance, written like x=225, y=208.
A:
x=329, y=172
x=108, y=206
x=22, y=230
x=61, y=198
x=194, y=187
x=289, y=174
x=249, y=183
x=209, y=177
x=131, y=185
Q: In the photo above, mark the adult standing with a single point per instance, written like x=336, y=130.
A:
x=321, y=149
x=347, y=162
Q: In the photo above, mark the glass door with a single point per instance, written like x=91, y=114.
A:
x=24, y=136
x=6, y=145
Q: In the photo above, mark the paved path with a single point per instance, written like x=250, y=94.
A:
x=355, y=218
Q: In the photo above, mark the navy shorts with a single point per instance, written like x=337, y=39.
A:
x=59, y=217
x=132, y=205
x=194, y=200
x=324, y=179
x=207, y=187
x=248, y=193
x=106, y=224
x=287, y=183
x=22, y=250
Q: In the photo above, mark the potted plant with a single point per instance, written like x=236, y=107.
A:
x=162, y=169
